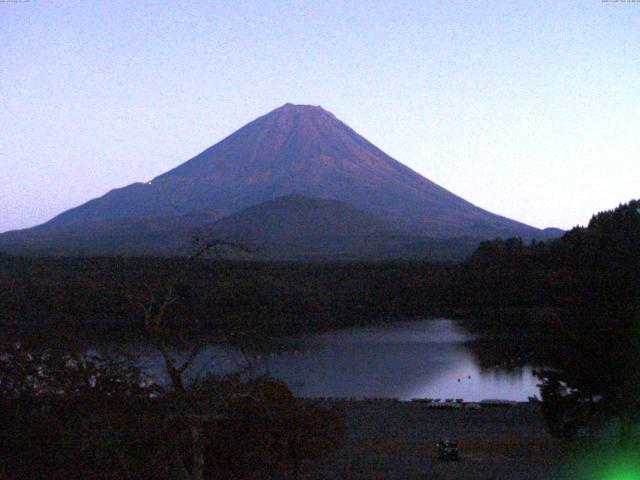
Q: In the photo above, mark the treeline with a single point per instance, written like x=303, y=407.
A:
x=109, y=289
x=112, y=290
x=597, y=264
x=591, y=384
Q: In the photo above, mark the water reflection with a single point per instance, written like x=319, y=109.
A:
x=429, y=358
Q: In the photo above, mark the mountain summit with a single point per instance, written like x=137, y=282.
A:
x=296, y=149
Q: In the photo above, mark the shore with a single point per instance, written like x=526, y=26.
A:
x=397, y=440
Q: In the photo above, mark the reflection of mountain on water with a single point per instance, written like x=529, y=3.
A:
x=428, y=331
x=428, y=358
x=466, y=380
x=366, y=369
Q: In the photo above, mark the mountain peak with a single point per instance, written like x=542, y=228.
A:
x=300, y=149
x=298, y=112
x=292, y=107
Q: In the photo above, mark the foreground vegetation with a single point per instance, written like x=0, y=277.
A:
x=69, y=416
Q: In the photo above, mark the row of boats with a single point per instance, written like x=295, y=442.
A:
x=430, y=402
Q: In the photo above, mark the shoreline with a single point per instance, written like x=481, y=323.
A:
x=397, y=440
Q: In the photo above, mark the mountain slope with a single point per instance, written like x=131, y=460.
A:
x=297, y=216
x=293, y=227
x=296, y=227
x=306, y=150
x=165, y=235
x=296, y=178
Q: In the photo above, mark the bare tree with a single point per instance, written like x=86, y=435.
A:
x=164, y=334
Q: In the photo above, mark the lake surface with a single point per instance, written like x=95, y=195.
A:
x=405, y=360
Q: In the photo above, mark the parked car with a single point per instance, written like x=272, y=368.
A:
x=448, y=449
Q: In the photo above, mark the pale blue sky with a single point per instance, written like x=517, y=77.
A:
x=528, y=109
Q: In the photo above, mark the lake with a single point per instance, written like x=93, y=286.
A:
x=404, y=360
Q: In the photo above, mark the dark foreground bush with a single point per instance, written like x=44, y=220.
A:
x=74, y=416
